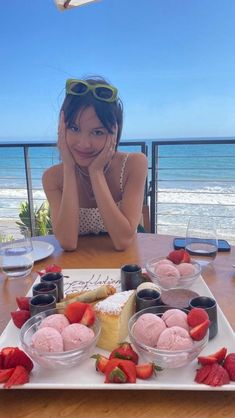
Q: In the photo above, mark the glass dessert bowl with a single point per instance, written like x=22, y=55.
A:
x=56, y=359
x=164, y=358
x=171, y=276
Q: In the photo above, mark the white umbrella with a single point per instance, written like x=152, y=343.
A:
x=69, y=4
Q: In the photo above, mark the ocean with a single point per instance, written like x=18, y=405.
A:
x=196, y=179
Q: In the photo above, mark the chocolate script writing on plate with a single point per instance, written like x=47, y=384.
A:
x=96, y=280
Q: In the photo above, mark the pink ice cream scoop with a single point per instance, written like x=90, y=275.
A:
x=47, y=340
x=57, y=321
x=163, y=261
x=147, y=329
x=186, y=269
x=174, y=338
x=168, y=275
x=76, y=335
x=174, y=317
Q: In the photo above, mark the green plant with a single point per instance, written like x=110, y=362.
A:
x=41, y=218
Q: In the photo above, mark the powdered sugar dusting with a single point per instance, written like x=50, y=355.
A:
x=113, y=304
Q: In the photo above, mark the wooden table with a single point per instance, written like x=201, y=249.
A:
x=97, y=252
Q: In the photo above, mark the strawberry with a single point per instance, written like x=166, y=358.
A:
x=20, y=317
x=53, y=268
x=101, y=362
x=198, y=333
x=186, y=257
x=217, y=357
x=88, y=318
x=213, y=374
x=126, y=366
x=176, y=256
x=13, y=356
x=19, y=376
x=125, y=351
x=202, y=373
x=217, y=376
x=75, y=311
x=220, y=354
x=145, y=370
x=229, y=365
x=196, y=316
x=203, y=360
x=117, y=376
x=23, y=302
x=5, y=374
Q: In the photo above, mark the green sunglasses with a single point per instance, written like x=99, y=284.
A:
x=100, y=91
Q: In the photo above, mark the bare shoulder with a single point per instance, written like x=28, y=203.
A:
x=53, y=177
x=137, y=161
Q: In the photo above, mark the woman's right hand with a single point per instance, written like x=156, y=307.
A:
x=65, y=152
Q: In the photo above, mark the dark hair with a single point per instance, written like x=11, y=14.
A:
x=110, y=114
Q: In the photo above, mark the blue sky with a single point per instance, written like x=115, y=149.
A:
x=173, y=62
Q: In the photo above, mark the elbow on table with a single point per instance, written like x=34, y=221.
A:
x=122, y=244
x=67, y=245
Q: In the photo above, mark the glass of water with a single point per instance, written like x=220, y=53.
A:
x=16, y=251
x=201, y=240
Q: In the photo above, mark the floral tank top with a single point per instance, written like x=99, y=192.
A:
x=91, y=221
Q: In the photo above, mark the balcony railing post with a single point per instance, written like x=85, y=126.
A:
x=29, y=189
x=153, y=187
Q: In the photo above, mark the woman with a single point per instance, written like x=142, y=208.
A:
x=96, y=188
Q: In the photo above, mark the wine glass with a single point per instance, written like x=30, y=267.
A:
x=201, y=240
x=16, y=251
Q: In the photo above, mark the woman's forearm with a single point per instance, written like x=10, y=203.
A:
x=120, y=229
x=66, y=224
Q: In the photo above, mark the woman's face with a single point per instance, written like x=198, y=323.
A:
x=86, y=137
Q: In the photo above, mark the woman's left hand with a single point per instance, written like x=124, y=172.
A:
x=105, y=156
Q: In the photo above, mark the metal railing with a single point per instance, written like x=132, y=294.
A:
x=194, y=177
x=21, y=169
x=190, y=177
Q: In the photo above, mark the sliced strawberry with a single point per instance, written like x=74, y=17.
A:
x=186, y=257
x=214, y=376
x=220, y=354
x=1, y=361
x=196, y=316
x=127, y=366
x=213, y=358
x=198, y=333
x=53, y=268
x=117, y=375
x=202, y=373
x=217, y=376
x=20, y=317
x=130, y=369
x=101, y=362
x=229, y=365
x=203, y=360
x=125, y=351
x=146, y=370
x=23, y=302
x=88, y=318
x=19, y=376
x=176, y=256
x=5, y=374
x=225, y=378
x=41, y=272
x=13, y=356
x=75, y=311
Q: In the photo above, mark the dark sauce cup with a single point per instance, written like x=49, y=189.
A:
x=45, y=288
x=58, y=279
x=41, y=303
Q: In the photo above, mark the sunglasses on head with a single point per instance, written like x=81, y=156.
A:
x=100, y=91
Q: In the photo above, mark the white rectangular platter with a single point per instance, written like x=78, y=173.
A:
x=84, y=376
